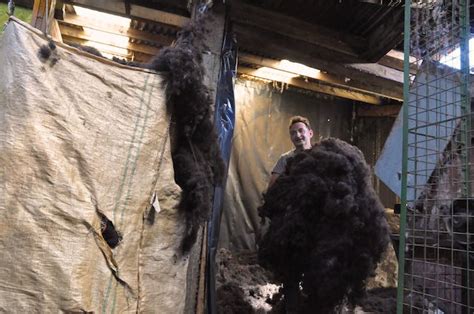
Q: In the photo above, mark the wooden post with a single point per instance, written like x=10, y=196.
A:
x=43, y=18
x=196, y=288
x=202, y=289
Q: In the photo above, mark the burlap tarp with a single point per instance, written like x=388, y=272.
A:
x=81, y=136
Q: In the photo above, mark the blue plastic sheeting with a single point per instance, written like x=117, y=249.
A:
x=433, y=115
x=224, y=123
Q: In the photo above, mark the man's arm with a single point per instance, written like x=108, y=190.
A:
x=277, y=170
x=272, y=179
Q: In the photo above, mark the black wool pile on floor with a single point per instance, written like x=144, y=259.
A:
x=327, y=227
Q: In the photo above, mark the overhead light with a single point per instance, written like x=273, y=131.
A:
x=298, y=68
x=273, y=74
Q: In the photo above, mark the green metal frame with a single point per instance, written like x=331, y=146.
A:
x=466, y=124
x=463, y=138
x=403, y=194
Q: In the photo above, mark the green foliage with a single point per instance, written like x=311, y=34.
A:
x=21, y=13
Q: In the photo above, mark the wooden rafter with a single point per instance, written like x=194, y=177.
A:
x=136, y=11
x=379, y=71
x=395, y=92
x=281, y=47
x=380, y=111
x=104, y=26
x=383, y=38
x=43, y=18
x=84, y=35
x=394, y=59
x=316, y=87
x=343, y=45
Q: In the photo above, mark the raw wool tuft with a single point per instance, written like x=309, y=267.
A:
x=328, y=229
x=196, y=156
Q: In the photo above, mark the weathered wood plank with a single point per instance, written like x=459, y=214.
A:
x=281, y=47
x=378, y=111
x=69, y=31
x=322, y=37
x=385, y=37
x=379, y=70
x=42, y=16
x=394, y=59
x=137, y=11
x=104, y=26
x=317, y=87
x=395, y=92
x=130, y=55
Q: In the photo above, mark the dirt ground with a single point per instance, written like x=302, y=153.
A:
x=245, y=287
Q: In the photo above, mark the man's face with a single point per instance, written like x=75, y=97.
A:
x=301, y=135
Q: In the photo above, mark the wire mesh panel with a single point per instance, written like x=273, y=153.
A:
x=437, y=231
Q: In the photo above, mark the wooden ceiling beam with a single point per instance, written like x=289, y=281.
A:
x=104, y=48
x=136, y=11
x=316, y=87
x=282, y=47
x=386, y=36
x=88, y=22
x=394, y=59
x=395, y=93
x=83, y=35
x=322, y=37
x=379, y=111
x=379, y=71
x=136, y=56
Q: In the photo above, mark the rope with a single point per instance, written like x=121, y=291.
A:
x=11, y=8
x=46, y=29
x=10, y=12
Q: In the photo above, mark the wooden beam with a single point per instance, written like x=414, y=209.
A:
x=42, y=16
x=395, y=93
x=394, y=59
x=104, y=26
x=202, y=289
x=212, y=63
x=102, y=47
x=386, y=35
x=59, y=10
x=55, y=32
x=281, y=47
x=341, y=43
x=89, y=36
x=379, y=70
x=378, y=111
x=316, y=87
x=136, y=11
x=158, y=16
x=131, y=55
x=43, y=19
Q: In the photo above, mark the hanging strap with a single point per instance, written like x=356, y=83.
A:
x=46, y=29
x=10, y=12
x=11, y=8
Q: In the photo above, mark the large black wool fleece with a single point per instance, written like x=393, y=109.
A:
x=328, y=229
x=197, y=161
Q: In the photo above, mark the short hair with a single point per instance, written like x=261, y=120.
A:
x=296, y=119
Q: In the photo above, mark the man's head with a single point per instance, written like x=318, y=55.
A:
x=300, y=132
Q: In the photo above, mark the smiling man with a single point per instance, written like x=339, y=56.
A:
x=300, y=135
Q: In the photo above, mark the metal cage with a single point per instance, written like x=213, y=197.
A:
x=437, y=225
